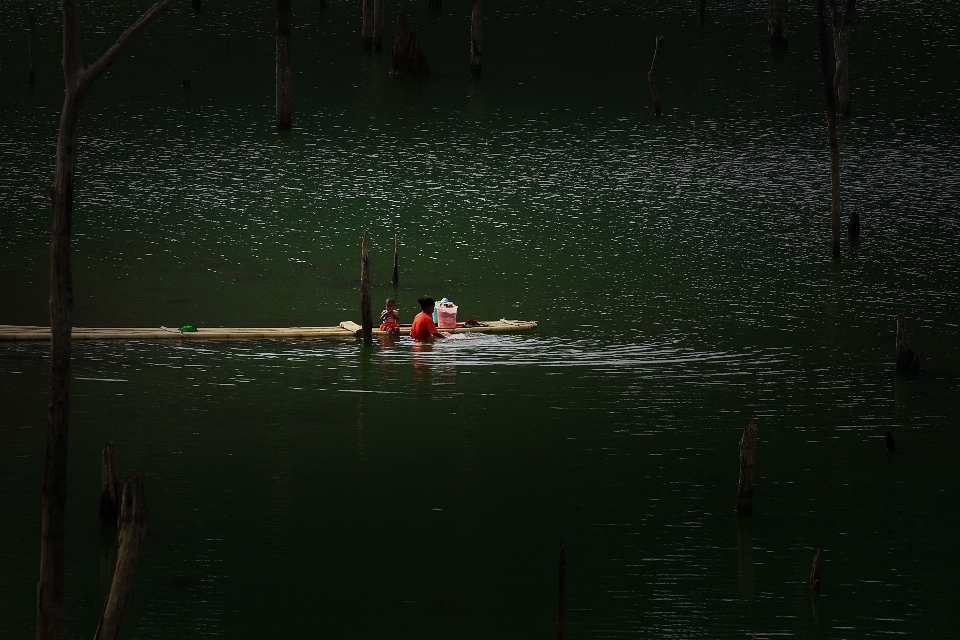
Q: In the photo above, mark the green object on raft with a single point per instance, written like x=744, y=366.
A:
x=188, y=328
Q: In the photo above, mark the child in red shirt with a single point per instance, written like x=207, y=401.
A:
x=423, y=326
x=390, y=318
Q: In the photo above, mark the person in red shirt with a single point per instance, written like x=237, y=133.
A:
x=423, y=326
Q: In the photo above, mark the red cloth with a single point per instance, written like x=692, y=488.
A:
x=386, y=326
x=423, y=327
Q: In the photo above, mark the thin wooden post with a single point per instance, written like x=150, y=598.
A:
x=109, y=487
x=891, y=445
x=378, y=20
x=366, y=310
x=561, y=593
x=652, y=76
x=407, y=56
x=476, y=38
x=133, y=527
x=703, y=11
x=284, y=74
x=842, y=23
x=777, y=25
x=826, y=65
x=366, y=28
x=32, y=21
x=396, y=259
x=907, y=359
x=748, y=448
x=815, y=573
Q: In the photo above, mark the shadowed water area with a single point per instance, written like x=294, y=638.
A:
x=679, y=268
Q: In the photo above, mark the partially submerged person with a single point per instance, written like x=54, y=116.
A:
x=424, y=328
x=390, y=318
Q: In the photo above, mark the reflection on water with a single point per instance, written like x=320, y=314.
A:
x=745, y=558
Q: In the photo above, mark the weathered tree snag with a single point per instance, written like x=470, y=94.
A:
x=826, y=65
x=561, y=593
x=109, y=487
x=366, y=28
x=777, y=25
x=32, y=21
x=907, y=360
x=77, y=80
x=379, y=18
x=703, y=11
x=133, y=527
x=366, y=310
x=652, y=76
x=284, y=74
x=891, y=445
x=476, y=38
x=815, y=573
x=407, y=56
x=748, y=448
x=396, y=259
x=841, y=48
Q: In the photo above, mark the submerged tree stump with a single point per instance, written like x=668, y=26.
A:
x=366, y=309
x=777, y=25
x=652, y=76
x=907, y=359
x=815, y=573
x=133, y=528
x=378, y=19
x=827, y=67
x=561, y=593
x=748, y=448
x=366, y=29
x=32, y=22
x=284, y=74
x=407, y=56
x=476, y=38
x=109, y=487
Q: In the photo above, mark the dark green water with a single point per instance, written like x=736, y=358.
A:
x=679, y=268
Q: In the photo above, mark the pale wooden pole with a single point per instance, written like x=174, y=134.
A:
x=826, y=65
x=476, y=39
x=652, y=76
x=284, y=73
x=77, y=80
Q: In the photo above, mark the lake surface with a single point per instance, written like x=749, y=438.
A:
x=679, y=267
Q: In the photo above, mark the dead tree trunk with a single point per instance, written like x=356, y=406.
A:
x=815, y=573
x=133, y=527
x=396, y=259
x=826, y=65
x=841, y=49
x=32, y=21
x=378, y=20
x=777, y=25
x=366, y=29
x=652, y=76
x=561, y=593
x=907, y=360
x=366, y=309
x=407, y=56
x=284, y=74
x=476, y=38
x=77, y=80
x=109, y=487
x=748, y=449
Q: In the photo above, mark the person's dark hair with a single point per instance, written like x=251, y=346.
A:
x=391, y=301
x=426, y=302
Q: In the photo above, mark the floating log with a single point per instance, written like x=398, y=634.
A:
x=815, y=573
x=891, y=445
x=284, y=74
x=826, y=65
x=133, y=527
x=652, y=76
x=748, y=448
x=777, y=25
x=907, y=359
x=366, y=310
x=396, y=259
x=476, y=38
x=379, y=18
x=109, y=487
x=366, y=28
x=407, y=56
x=32, y=21
x=561, y=593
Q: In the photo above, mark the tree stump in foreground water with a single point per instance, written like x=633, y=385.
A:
x=476, y=38
x=366, y=309
x=407, y=56
x=748, y=448
x=777, y=25
x=815, y=573
x=284, y=75
x=133, y=527
x=652, y=76
x=907, y=359
x=109, y=487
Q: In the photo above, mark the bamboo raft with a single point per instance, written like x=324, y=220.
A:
x=347, y=329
